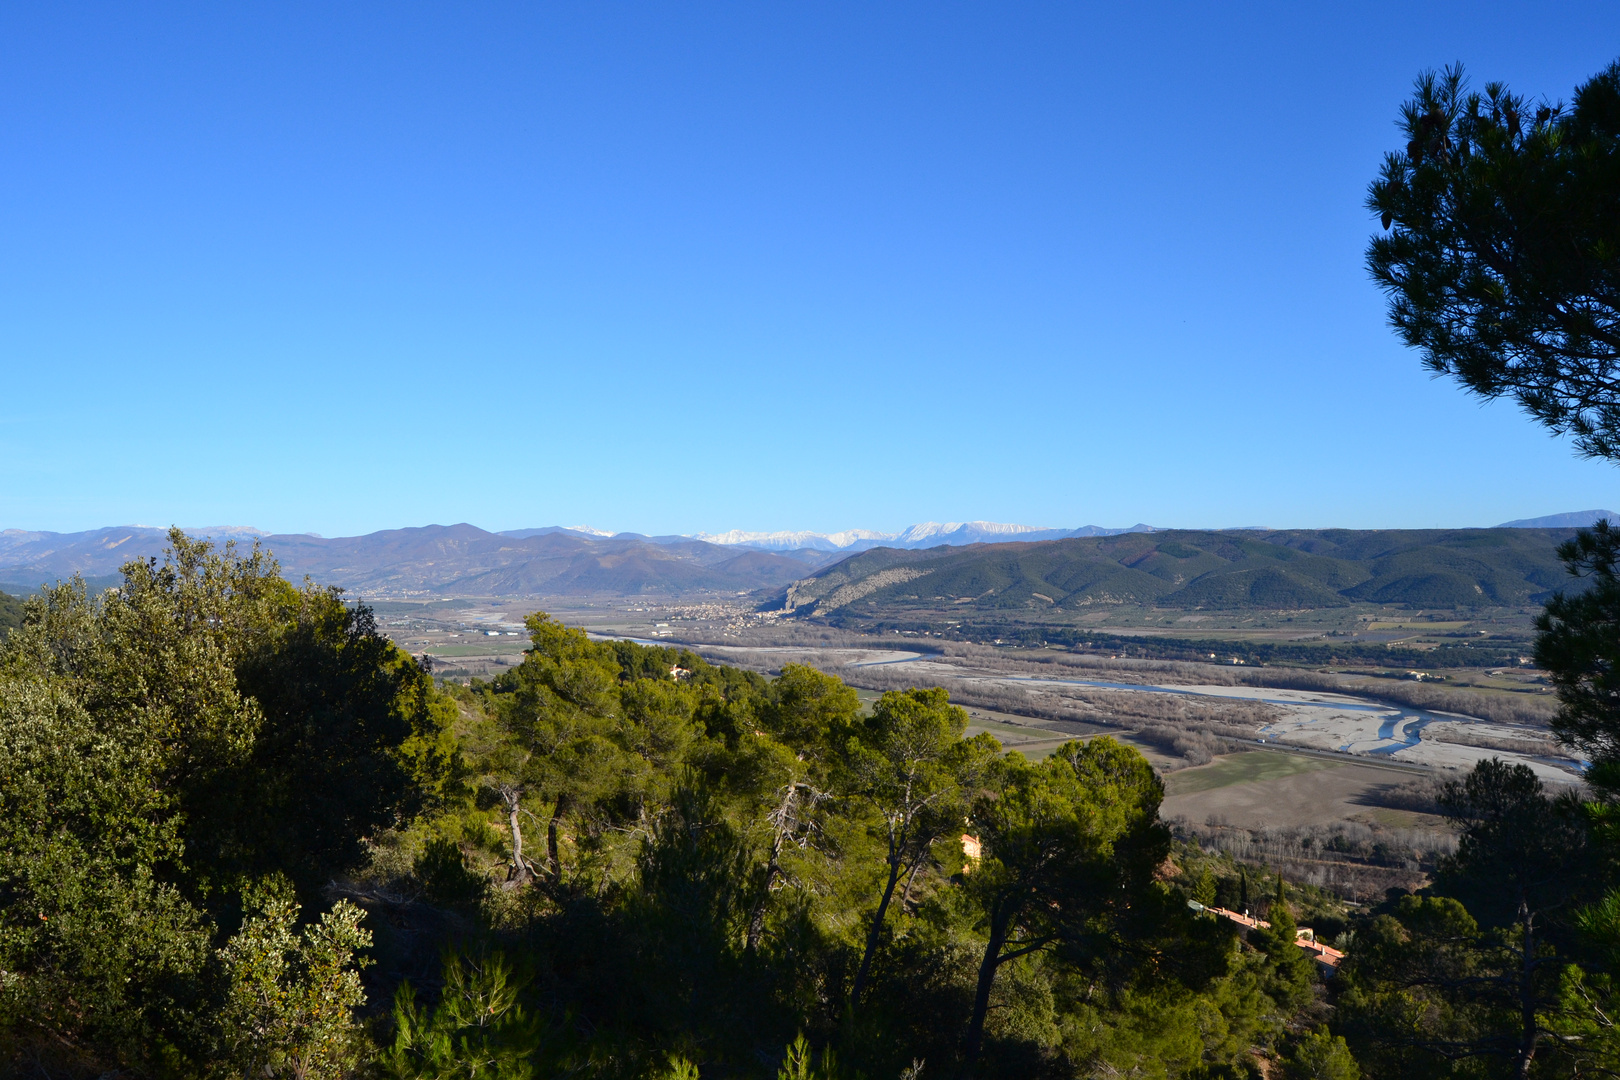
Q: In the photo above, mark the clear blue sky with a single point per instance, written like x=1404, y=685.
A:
x=673, y=267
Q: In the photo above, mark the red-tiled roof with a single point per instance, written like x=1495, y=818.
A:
x=1325, y=954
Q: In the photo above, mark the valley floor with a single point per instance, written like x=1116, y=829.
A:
x=1308, y=719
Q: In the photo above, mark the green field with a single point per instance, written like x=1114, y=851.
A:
x=1245, y=768
x=493, y=649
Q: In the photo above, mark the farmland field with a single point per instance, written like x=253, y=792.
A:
x=1267, y=788
x=1246, y=768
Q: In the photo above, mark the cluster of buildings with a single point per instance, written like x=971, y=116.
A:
x=1327, y=957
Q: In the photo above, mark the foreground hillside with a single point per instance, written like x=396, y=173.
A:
x=1191, y=570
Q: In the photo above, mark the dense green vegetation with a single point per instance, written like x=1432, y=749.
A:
x=1282, y=570
x=183, y=763
x=243, y=835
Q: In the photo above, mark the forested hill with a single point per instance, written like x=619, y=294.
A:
x=1285, y=569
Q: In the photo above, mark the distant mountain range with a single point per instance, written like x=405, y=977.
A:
x=578, y=560
x=926, y=535
x=1580, y=519
x=435, y=560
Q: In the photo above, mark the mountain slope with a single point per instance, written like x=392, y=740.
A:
x=1274, y=570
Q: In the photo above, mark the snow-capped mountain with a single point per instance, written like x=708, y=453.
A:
x=796, y=541
x=933, y=533
x=923, y=535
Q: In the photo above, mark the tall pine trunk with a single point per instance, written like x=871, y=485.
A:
x=756, y=917
x=553, y=860
x=999, y=919
x=1529, y=1029
x=873, y=935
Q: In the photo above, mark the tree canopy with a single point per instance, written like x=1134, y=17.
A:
x=1502, y=256
x=201, y=743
